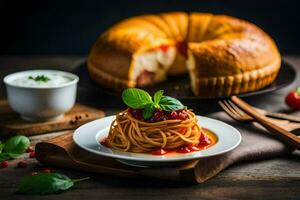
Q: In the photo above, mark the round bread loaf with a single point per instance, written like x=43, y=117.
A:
x=223, y=55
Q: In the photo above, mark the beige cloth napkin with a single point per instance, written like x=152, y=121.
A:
x=256, y=144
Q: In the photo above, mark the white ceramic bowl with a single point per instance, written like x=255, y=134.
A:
x=36, y=103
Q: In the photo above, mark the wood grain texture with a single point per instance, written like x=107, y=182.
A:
x=277, y=178
x=61, y=151
x=12, y=124
x=277, y=131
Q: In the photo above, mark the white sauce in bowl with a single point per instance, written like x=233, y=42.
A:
x=40, y=79
x=53, y=80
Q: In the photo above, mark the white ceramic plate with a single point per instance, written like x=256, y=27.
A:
x=88, y=136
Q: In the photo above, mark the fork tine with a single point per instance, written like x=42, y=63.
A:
x=233, y=110
x=237, y=109
x=227, y=109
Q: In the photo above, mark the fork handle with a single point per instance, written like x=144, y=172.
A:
x=278, y=132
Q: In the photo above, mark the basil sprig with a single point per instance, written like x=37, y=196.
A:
x=148, y=111
x=157, y=97
x=46, y=183
x=13, y=147
x=140, y=99
x=136, y=98
x=169, y=104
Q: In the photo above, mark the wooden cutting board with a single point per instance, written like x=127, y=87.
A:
x=62, y=152
x=12, y=124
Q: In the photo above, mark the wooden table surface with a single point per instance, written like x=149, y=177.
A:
x=277, y=178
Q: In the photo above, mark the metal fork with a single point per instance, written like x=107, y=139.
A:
x=237, y=114
x=234, y=112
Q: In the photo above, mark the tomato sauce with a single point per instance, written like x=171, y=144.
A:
x=207, y=139
x=159, y=152
x=164, y=47
x=103, y=142
x=181, y=47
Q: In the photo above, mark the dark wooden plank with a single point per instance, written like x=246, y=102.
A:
x=108, y=187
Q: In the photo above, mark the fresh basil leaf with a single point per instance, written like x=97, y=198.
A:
x=136, y=98
x=1, y=146
x=298, y=90
x=16, y=145
x=13, y=147
x=148, y=111
x=45, y=183
x=169, y=104
x=13, y=155
x=157, y=96
x=5, y=156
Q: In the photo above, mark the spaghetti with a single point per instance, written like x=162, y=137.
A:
x=130, y=134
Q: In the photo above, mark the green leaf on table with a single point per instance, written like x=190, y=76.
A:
x=16, y=145
x=169, y=104
x=298, y=90
x=13, y=147
x=45, y=183
x=1, y=147
x=148, y=111
x=157, y=97
x=5, y=156
x=136, y=98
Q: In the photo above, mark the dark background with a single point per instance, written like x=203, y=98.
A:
x=71, y=27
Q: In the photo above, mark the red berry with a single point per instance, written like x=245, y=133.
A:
x=32, y=155
x=22, y=164
x=29, y=149
x=158, y=116
x=4, y=164
x=293, y=100
x=34, y=173
x=47, y=170
x=161, y=115
x=182, y=116
x=136, y=113
x=173, y=115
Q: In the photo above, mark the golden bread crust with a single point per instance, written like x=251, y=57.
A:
x=231, y=56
